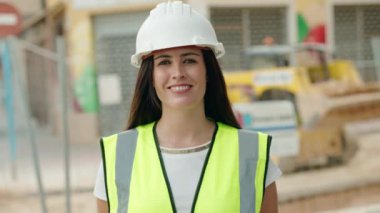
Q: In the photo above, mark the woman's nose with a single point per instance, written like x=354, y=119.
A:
x=178, y=71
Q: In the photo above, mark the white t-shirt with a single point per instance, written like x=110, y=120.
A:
x=183, y=171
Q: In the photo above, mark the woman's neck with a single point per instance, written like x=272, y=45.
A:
x=181, y=129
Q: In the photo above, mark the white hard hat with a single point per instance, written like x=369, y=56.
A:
x=174, y=24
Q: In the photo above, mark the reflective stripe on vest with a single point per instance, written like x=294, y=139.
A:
x=233, y=180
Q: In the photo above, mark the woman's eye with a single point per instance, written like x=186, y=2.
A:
x=189, y=61
x=164, y=62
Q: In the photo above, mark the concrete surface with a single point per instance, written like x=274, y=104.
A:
x=361, y=209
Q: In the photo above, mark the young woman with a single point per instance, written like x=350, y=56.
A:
x=184, y=150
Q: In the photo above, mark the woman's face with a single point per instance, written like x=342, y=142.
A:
x=180, y=77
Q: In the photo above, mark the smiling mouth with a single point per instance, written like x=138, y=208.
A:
x=180, y=88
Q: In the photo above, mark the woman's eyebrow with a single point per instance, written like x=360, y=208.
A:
x=162, y=56
x=190, y=53
x=182, y=55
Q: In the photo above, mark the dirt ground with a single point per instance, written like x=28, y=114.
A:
x=364, y=196
x=81, y=202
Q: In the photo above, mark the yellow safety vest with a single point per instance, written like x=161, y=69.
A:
x=232, y=179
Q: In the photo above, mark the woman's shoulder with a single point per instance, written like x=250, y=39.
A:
x=248, y=131
x=132, y=130
x=116, y=134
x=226, y=126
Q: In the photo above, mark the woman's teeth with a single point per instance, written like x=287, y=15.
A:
x=179, y=88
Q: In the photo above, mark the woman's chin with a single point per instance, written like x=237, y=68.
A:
x=183, y=104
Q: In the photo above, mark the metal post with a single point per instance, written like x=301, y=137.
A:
x=62, y=73
x=60, y=58
x=9, y=106
x=375, y=42
x=25, y=98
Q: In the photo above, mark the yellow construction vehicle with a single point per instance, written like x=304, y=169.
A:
x=326, y=97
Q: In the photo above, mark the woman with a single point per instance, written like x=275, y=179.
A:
x=183, y=150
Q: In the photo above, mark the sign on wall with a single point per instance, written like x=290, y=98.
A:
x=109, y=89
x=10, y=20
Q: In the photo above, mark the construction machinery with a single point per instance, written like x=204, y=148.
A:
x=327, y=96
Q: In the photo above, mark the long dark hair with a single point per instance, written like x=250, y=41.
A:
x=146, y=107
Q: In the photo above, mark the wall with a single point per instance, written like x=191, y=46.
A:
x=81, y=48
x=80, y=45
x=311, y=15
x=26, y=7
